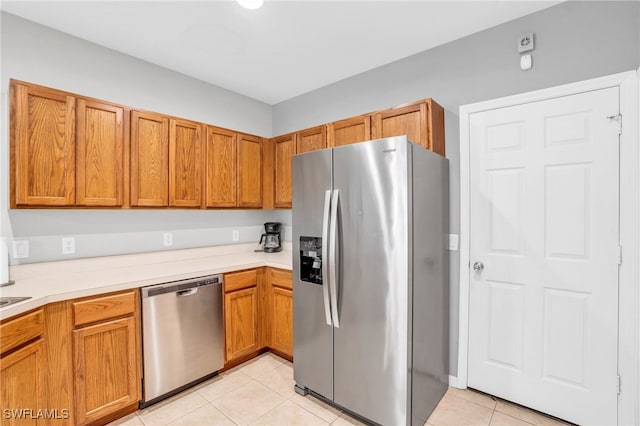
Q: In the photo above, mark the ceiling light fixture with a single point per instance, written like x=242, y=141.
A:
x=251, y=4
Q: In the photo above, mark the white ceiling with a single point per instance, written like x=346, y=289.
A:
x=282, y=50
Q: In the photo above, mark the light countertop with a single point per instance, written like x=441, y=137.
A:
x=56, y=281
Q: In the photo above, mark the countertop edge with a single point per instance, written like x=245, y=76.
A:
x=40, y=300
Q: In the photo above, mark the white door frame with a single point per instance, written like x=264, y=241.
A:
x=629, y=294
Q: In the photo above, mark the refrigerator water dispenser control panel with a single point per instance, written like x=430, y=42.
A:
x=311, y=260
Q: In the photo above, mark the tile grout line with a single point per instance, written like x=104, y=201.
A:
x=491, y=418
x=220, y=411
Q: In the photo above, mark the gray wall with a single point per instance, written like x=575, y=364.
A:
x=37, y=54
x=574, y=41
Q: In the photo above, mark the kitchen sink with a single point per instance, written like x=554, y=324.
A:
x=6, y=301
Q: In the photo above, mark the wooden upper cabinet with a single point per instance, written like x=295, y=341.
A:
x=220, y=168
x=100, y=154
x=350, y=130
x=311, y=139
x=42, y=147
x=285, y=147
x=185, y=163
x=249, y=171
x=149, y=159
x=422, y=122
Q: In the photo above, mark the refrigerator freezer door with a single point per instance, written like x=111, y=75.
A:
x=371, y=346
x=312, y=336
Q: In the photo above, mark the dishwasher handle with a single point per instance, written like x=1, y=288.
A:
x=188, y=292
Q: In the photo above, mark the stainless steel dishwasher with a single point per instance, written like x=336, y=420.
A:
x=182, y=335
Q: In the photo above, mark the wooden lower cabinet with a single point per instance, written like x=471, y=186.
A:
x=72, y=362
x=258, y=312
x=23, y=369
x=241, y=322
x=280, y=286
x=23, y=389
x=105, y=359
x=282, y=323
x=93, y=374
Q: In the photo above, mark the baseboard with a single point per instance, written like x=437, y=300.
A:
x=132, y=408
x=281, y=354
x=453, y=382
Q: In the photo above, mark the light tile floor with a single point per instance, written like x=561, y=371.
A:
x=260, y=392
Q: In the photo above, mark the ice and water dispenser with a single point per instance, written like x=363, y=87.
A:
x=311, y=259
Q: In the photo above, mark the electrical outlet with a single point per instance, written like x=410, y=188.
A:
x=236, y=235
x=68, y=245
x=168, y=239
x=20, y=249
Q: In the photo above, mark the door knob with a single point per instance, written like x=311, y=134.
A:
x=478, y=266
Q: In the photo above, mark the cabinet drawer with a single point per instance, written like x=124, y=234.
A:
x=103, y=307
x=238, y=280
x=282, y=278
x=17, y=331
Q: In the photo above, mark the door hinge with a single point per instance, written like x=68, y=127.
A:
x=619, y=255
x=619, y=384
x=618, y=119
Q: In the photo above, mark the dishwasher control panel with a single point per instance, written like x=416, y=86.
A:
x=176, y=286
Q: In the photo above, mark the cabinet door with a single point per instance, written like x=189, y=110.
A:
x=311, y=139
x=241, y=314
x=106, y=369
x=282, y=332
x=185, y=164
x=221, y=166
x=149, y=159
x=42, y=147
x=410, y=120
x=23, y=384
x=284, y=150
x=422, y=121
x=351, y=130
x=100, y=154
x=249, y=171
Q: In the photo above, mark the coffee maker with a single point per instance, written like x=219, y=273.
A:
x=271, y=240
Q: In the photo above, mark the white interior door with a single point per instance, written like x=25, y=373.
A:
x=543, y=312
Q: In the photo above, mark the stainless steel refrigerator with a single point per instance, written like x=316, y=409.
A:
x=370, y=293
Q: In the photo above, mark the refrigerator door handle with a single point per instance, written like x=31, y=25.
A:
x=325, y=256
x=333, y=279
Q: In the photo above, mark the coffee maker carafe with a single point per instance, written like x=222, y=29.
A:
x=271, y=240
